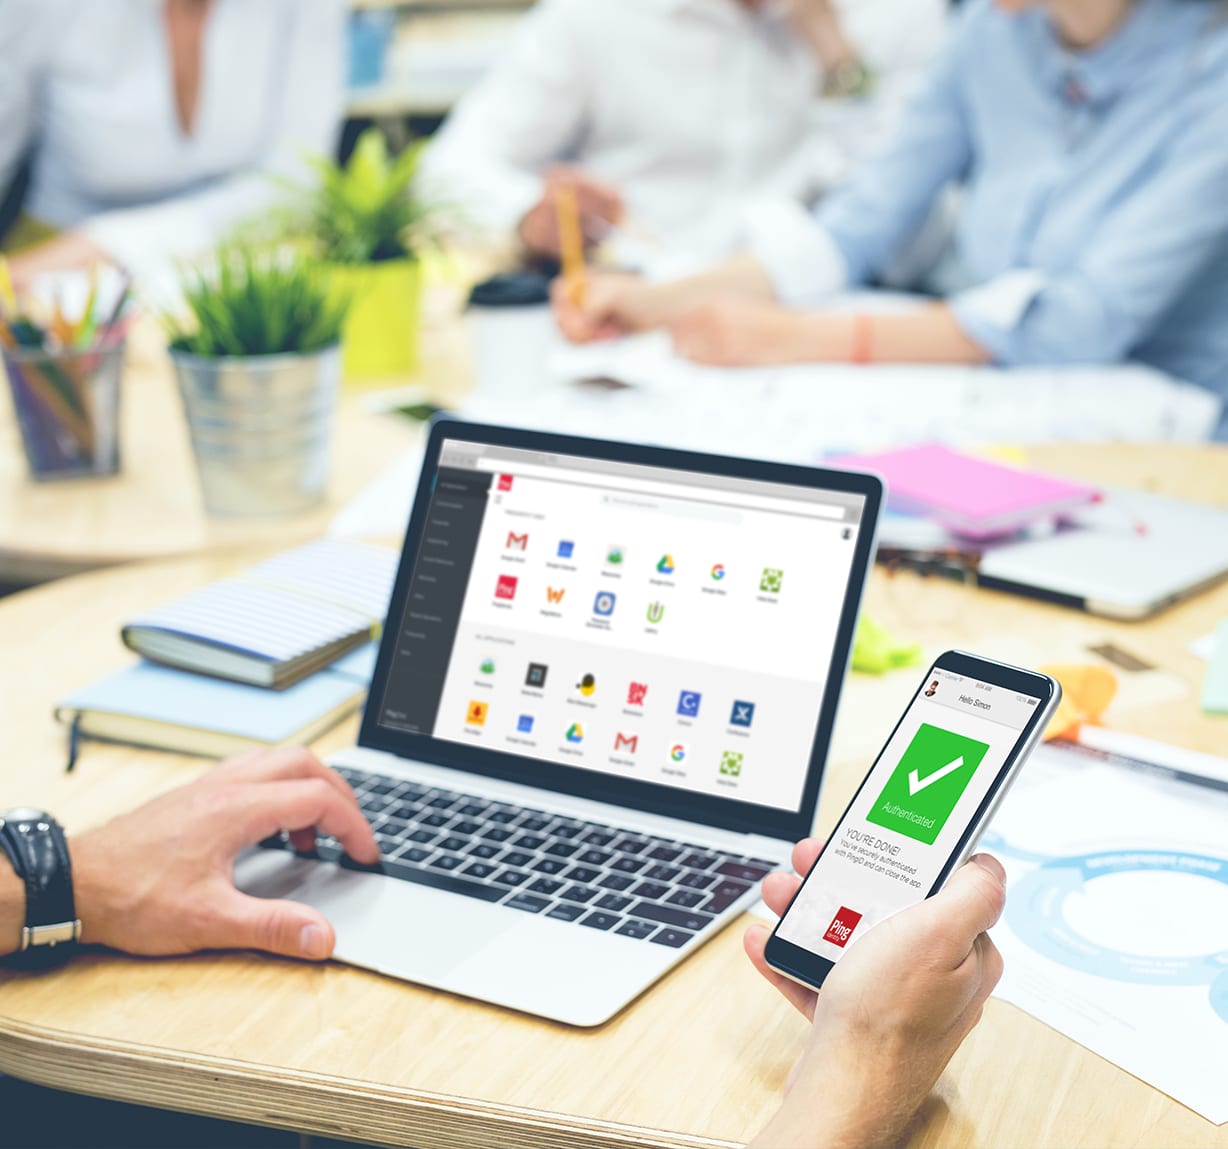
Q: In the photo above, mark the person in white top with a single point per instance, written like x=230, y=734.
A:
x=673, y=114
x=154, y=125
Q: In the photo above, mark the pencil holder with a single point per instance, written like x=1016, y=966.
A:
x=67, y=406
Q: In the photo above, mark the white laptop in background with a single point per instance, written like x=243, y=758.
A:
x=1128, y=557
x=600, y=714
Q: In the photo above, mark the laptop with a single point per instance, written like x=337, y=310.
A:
x=599, y=716
x=1128, y=557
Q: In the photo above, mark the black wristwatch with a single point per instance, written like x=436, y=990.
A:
x=37, y=848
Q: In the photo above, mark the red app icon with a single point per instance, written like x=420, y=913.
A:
x=842, y=926
x=506, y=587
x=505, y=482
x=636, y=693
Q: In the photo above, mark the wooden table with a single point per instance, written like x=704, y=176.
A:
x=153, y=508
x=700, y=1060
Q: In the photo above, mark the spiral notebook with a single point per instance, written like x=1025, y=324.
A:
x=276, y=623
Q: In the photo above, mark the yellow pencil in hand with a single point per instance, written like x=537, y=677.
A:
x=7, y=294
x=571, y=243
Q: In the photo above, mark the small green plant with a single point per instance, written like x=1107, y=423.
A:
x=366, y=211
x=254, y=301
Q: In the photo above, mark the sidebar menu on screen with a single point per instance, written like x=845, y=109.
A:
x=433, y=605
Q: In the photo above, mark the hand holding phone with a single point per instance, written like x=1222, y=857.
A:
x=891, y=1014
x=920, y=810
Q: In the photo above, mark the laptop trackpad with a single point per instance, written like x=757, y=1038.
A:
x=381, y=923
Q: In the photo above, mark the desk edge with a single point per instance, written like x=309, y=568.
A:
x=308, y=1102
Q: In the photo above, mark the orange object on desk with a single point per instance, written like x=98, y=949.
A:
x=1087, y=691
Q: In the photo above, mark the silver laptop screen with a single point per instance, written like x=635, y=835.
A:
x=666, y=626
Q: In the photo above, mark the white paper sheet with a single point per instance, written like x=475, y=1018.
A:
x=797, y=412
x=1116, y=923
x=1204, y=647
x=381, y=509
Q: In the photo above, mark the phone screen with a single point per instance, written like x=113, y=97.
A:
x=911, y=815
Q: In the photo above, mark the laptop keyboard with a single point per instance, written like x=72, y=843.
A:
x=641, y=887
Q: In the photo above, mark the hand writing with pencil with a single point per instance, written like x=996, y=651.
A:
x=720, y=332
x=600, y=208
x=610, y=306
x=71, y=251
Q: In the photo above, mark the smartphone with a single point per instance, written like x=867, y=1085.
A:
x=921, y=809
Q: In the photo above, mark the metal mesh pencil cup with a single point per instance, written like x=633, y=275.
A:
x=67, y=407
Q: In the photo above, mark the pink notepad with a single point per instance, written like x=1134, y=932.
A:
x=970, y=497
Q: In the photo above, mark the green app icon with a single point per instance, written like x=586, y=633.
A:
x=771, y=580
x=926, y=783
x=731, y=763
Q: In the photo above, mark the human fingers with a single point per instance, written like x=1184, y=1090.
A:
x=279, y=764
x=282, y=764
x=573, y=321
x=594, y=197
x=989, y=964
x=802, y=999
x=290, y=929
x=950, y=922
x=691, y=334
x=600, y=207
x=302, y=804
x=806, y=853
x=599, y=316
x=779, y=890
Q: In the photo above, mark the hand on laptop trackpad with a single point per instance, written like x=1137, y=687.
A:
x=398, y=927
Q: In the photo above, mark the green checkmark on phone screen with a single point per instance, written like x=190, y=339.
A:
x=928, y=780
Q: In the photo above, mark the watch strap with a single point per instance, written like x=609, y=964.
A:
x=39, y=851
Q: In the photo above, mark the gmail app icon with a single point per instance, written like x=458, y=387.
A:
x=517, y=542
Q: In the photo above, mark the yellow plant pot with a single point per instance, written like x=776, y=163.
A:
x=380, y=334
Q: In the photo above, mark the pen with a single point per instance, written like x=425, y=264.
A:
x=1142, y=754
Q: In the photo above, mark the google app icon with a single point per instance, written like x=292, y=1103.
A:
x=678, y=752
x=718, y=572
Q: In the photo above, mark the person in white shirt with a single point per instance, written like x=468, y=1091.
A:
x=155, y=125
x=671, y=115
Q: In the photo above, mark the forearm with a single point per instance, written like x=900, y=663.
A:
x=657, y=304
x=12, y=908
x=835, y=1104
x=818, y=26
x=98, y=896
x=928, y=335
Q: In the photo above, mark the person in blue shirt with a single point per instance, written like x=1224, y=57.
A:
x=1089, y=143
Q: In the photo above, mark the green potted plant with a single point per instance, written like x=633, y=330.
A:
x=257, y=360
x=367, y=222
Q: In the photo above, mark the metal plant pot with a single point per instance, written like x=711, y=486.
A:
x=261, y=429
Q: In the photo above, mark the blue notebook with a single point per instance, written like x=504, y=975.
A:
x=156, y=706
